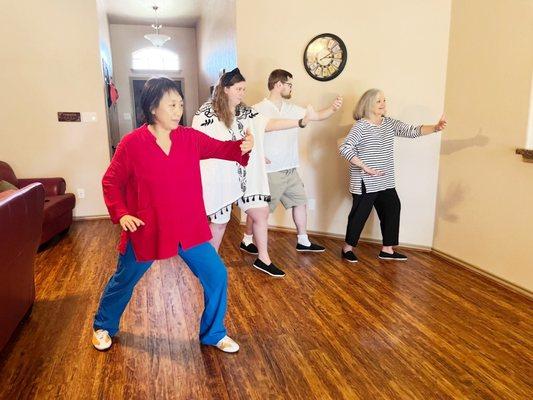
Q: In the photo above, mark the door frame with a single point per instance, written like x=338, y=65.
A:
x=148, y=75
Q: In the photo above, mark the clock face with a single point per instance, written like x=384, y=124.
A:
x=325, y=57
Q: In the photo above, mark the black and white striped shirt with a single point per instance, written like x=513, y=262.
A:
x=374, y=145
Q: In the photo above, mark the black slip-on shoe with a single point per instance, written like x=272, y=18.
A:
x=251, y=248
x=394, y=256
x=349, y=256
x=313, y=248
x=270, y=269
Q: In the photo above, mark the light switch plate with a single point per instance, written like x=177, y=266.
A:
x=88, y=116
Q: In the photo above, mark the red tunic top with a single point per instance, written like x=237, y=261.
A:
x=164, y=191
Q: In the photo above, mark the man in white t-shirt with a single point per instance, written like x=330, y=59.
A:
x=281, y=153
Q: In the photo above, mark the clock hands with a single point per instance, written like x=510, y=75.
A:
x=326, y=56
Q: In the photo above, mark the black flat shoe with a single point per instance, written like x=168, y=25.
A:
x=313, y=248
x=394, y=256
x=270, y=269
x=251, y=248
x=349, y=256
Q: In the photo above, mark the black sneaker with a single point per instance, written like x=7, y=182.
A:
x=271, y=269
x=251, y=248
x=313, y=248
x=349, y=256
x=394, y=256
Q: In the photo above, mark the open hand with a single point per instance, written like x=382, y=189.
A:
x=441, y=124
x=337, y=104
x=130, y=223
x=247, y=143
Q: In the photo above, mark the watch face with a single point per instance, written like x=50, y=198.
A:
x=325, y=57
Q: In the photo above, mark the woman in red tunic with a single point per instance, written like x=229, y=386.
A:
x=153, y=189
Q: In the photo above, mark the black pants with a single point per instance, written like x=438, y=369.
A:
x=387, y=204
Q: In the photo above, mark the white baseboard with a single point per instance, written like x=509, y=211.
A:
x=90, y=217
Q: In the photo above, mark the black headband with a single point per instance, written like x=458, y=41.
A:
x=228, y=76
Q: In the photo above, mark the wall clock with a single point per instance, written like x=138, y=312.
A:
x=325, y=57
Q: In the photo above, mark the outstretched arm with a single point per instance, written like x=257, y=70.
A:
x=310, y=115
x=231, y=150
x=282, y=124
x=439, y=126
x=412, y=131
x=329, y=111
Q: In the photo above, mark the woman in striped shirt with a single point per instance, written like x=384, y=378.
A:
x=369, y=147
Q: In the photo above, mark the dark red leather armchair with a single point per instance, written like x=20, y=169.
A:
x=58, y=205
x=21, y=221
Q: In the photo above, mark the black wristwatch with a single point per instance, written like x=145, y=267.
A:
x=300, y=123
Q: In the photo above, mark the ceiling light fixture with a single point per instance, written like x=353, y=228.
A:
x=156, y=38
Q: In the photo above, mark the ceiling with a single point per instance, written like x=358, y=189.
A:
x=177, y=13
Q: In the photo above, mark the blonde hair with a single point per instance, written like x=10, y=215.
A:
x=365, y=104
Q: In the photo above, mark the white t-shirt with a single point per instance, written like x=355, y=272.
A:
x=281, y=147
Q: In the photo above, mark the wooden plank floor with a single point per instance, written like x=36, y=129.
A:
x=424, y=329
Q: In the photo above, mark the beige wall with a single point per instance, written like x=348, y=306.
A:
x=485, y=198
x=126, y=39
x=400, y=47
x=50, y=62
x=215, y=32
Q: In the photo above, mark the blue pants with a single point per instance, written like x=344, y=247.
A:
x=203, y=261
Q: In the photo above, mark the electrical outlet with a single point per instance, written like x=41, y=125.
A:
x=81, y=193
x=311, y=204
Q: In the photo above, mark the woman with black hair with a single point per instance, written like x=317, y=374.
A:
x=226, y=117
x=153, y=189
